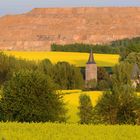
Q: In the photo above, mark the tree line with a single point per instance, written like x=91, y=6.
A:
x=66, y=76
x=122, y=47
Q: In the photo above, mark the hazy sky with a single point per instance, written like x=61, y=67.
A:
x=20, y=6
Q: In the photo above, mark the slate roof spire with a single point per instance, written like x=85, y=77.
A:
x=91, y=58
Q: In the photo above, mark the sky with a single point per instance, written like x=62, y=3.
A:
x=8, y=7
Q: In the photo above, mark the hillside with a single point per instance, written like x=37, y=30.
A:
x=39, y=28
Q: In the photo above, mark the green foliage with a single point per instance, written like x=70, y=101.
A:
x=9, y=65
x=122, y=47
x=46, y=67
x=103, y=85
x=106, y=49
x=128, y=46
x=30, y=96
x=86, y=109
x=68, y=76
x=133, y=58
x=104, y=81
x=91, y=84
x=65, y=75
x=102, y=74
x=120, y=105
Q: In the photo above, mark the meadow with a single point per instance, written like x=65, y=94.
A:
x=55, y=131
x=78, y=59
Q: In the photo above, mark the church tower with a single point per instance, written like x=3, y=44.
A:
x=91, y=69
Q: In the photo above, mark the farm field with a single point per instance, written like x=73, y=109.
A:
x=78, y=59
x=71, y=97
x=54, y=131
x=72, y=100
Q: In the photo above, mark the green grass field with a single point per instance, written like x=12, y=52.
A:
x=53, y=131
x=78, y=59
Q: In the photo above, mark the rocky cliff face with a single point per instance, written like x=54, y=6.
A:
x=38, y=29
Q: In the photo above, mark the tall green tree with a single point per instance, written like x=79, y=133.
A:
x=120, y=105
x=31, y=96
x=133, y=58
x=68, y=76
x=104, y=80
x=85, y=109
x=46, y=67
x=10, y=64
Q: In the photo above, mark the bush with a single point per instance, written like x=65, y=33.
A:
x=31, y=96
x=86, y=109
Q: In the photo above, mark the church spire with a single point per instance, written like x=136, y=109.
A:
x=91, y=58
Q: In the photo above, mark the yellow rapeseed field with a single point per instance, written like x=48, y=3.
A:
x=72, y=101
x=54, y=131
x=78, y=59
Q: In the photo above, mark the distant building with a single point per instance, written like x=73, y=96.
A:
x=91, y=69
x=135, y=75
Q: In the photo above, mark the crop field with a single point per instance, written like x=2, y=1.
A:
x=71, y=97
x=71, y=130
x=55, y=131
x=72, y=100
x=78, y=59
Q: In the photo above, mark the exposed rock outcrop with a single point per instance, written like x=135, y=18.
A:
x=39, y=28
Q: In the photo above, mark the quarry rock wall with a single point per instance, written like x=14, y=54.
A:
x=39, y=28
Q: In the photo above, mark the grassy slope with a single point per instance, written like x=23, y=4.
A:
x=78, y=59
x=52, y=131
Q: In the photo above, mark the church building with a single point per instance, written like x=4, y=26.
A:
x=91, y=69
x=91, y=73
